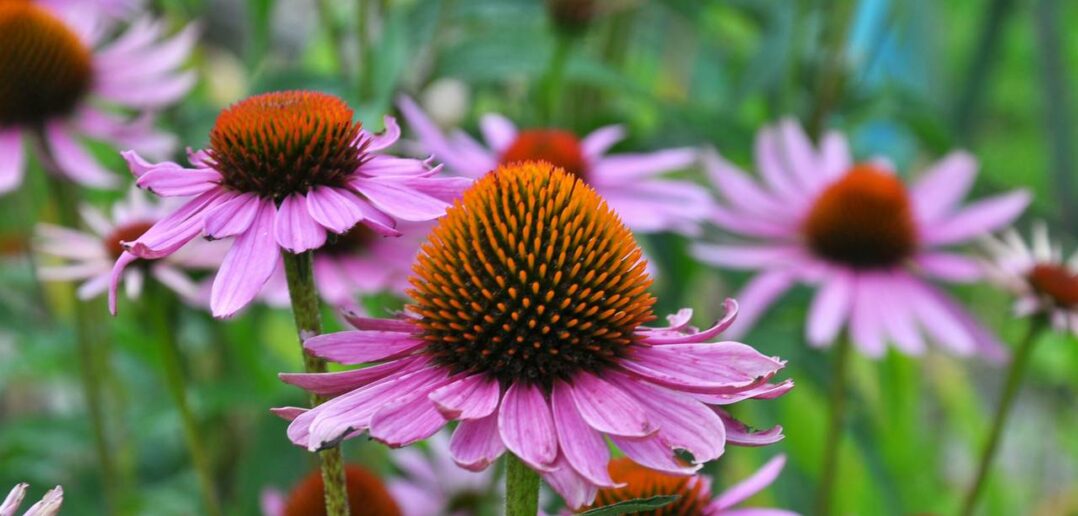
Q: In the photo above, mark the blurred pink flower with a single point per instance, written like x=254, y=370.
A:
x=284, y=170
x=89, y=255
x=49, y=504
x=63, y=77
x=855, y=231
x=694, y=492
x=431, y=483
x=1038, y=275
x=545, y=359
x=631, y=183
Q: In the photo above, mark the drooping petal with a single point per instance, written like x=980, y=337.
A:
x=336, y=383
x=829, y=310
x=476, y=443
x=526, y=426
x=399, y=200
x=738, y=433
x=361, y=346
x=750, y=486
x=665, y=336
x=49, y=505
x=652, y=452
x=721, y=367
x=471, y=397
x=758, y=295
x=866, y=326
x=73, y=160
x=596, y=143
x=14, y=499
x=294, y=228
x=172, y=232
x=335, y=209
x=607, y=408
x=409, y=419
x=247, y=266
x=573, y=488
x=231, y=217
x=178, y=182
x=583, y=447
x=386, y=138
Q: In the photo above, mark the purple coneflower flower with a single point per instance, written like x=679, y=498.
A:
x=693, y=493
x=284, y=170
x=431, y=483
x=90, y=256
x=628, y=182
x=366, y=495
x=56, y=61
x=1044, y=282
x=527, y=310
x=49, y=504
x=855, y=231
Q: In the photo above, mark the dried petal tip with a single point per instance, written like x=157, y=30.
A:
x=45, y=69
x=530, y=277
x=366, y=495
x=281, y=143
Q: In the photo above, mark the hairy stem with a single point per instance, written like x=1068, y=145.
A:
x=521, y=488
x=835, y=426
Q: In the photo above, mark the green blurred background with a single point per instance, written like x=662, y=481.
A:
x=907, y=79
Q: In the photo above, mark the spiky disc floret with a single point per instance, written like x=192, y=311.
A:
x=44, y=68
x=530, y=277
x=285, y=142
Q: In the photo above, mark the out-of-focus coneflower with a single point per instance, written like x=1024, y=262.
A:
x=526, y=326
x=89, y=256
x=60, y=80
x=49, y=505
x=1046, y=286
x=630, y=183
x=693, y=492
x=855, y=231
x=431, y=483
x=367, y=495
x=284, y=170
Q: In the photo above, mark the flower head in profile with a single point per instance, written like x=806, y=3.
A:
x=1043, y=281
x=631, y=184
x=88, y=256
x=284, y=170
x=526, y=326
x=857, y=232
x=366, y=495
x=693, y=493
x=61, y=78
x=49, y=504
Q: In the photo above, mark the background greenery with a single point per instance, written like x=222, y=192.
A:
x=908, y=79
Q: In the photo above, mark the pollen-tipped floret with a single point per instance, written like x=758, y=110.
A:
x=530, y=277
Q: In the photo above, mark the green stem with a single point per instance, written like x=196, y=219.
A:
x=552, y=83
x=521, y=488
x=832, y=75
x=835, y=424
x=306, y=312
x=363, y=21
x=336, y=37
x=160, y=304
x=1010, y=391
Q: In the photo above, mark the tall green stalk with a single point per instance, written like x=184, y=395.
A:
x=521, y=488
x=305, y=310
x=1010, y=391
x=552, y=83
x=835, y=426
x=160, y=306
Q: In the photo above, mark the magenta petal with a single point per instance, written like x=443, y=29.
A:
x=12, y=159
x=573, y=488
x=358, y=347
x=172, y=232
x=652, y=452
x=830, y=308
x=116, y=275
x=178, y=182
x=371, y=323
x=231, y=217
x=738, y=433
x=527, y=427
x=766, y=391
x=247, y=266
x=386, y=138
x=377, y=221
x=582, y=447
x=334, y=384
x=288, y=413
x=409, y=419
x=398, y=199
x=943, y=185
x=747, y=488
x=977, y=219
x=13, y=499
x=471, y=397
x=476, y=443
x=731, y=307
x=334, y=208
x=294, y=227
x=74, y=161
x=722, y=367
x=607, y=408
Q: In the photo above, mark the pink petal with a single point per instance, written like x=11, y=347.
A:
x=471, y=397
x=247, y=266
x=950, y=266
x=749, y=257
x=750, y=486
x=361, y=346
x=386, y=138
x=651, y=452
x=476, y=443
x=399, y=200
x=167, y=182
x=231, y=217
x=607, y=408
x=573, y=488
x=369, y=323
x=408, y=419
x=758, y=295
x=937, y=320
x=866, y=326
x=14, y=499
x=977, y=219
x=722, y=367
x=172, y=232
x=498, y=131
x=526, y=426
x=333, y=384
x=430, y=136
x=335, y=209
x=773, y=160
x=740, y=434
x=294, y=227
x=830, y=308
x=766, y=391
x=742, y=193
x=629, y=167
x=73, y=160
x=12, y=159
x=601, y=140
x=943, y=185
x=666, y=337
x=835, y=157
x=582, y=447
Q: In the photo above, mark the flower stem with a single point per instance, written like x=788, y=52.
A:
x=1010, y=391
x=552, y=82
x=835, y=424
x=161, y=304
x=521, y=488
x=305, y=310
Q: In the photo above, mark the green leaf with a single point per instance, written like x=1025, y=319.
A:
x=637, y=505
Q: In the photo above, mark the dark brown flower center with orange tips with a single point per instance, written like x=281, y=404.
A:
x=1057, y=283
x=642, y=482
x=560, y=148
x=530, y=277
x=366, y=495
x=126, y=233
x=44, y=68
x=355, y=240
x=276, y=144
x=863, y=220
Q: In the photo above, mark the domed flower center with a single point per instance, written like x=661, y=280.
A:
x=276, y=144
x=530, y=277
x=1055, y=282
x=561, y=148
x=356, y=240
x=863, y=220
x=693, y=496
x=126, y=233
x=366, y=495
x=44, y=68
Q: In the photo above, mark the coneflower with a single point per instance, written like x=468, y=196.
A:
x=367, y=495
